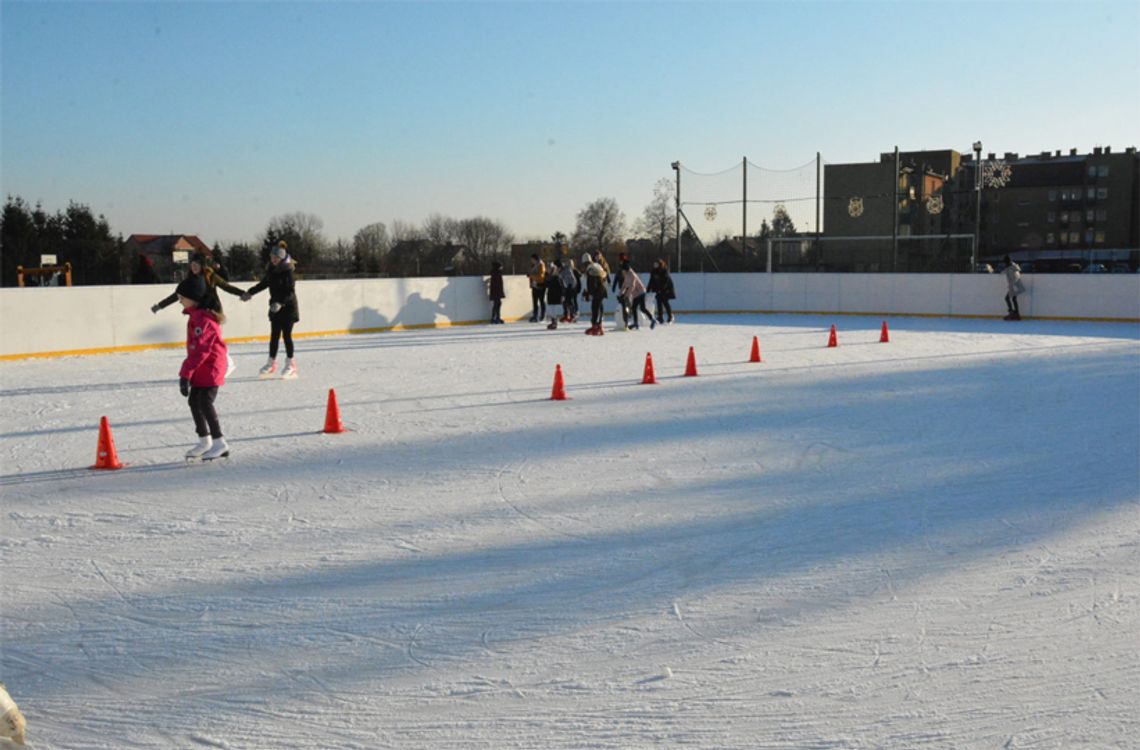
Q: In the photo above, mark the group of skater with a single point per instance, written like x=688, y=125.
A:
x=560, y=282
x=207, y=361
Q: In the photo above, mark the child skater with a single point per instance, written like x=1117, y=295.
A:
x=204, y=369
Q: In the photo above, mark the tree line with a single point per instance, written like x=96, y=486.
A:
x=440, y=245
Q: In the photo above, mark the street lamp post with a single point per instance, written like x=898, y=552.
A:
x=978, y=205
x=677, y=168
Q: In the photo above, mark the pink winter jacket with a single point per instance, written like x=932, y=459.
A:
x=206, y=352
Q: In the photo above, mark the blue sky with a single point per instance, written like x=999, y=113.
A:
x=214, y=117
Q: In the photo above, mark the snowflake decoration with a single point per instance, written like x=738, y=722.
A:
x=710, y=212
x=934, y=204
x=996, y=174
x=855, y=208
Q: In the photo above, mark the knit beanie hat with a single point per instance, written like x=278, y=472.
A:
x=193, y=288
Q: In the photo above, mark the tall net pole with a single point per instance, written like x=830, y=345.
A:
x=677, y=168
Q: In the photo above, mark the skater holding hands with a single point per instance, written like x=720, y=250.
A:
x=204, y=369
x=283, y=309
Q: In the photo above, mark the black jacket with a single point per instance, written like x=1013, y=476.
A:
x=281, y=284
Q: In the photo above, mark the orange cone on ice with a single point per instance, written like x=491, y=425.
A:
x=691, y=365
x=755, y=356
x=649, y=378
x=833, y=339
x=558, y=393
x=332, y=415
x=884, y=337
x=105, y=456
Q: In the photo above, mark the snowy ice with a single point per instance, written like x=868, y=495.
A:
x=933, y=542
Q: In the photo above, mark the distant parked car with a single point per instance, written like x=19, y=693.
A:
x=1094, y=268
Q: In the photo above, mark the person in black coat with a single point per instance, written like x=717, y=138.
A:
x=554, y=291
x=497, y=293
x=661, y=284
x=283, y=309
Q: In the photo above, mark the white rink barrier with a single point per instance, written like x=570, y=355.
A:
x=54, y=321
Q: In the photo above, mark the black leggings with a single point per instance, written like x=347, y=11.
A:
x=278, y=330
x=596, y=310
x=496, y=310
x=538, y=299
x=202, y=409
x=639, y=304
x=663, y=304
x=1011, y=303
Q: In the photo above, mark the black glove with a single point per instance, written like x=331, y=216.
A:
x=184, y=386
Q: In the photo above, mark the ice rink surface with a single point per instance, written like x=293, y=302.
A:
x=932, y=543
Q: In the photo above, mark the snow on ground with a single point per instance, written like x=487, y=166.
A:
x=929, y=543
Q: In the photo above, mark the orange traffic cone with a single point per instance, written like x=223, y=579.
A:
x=884, y=337
x=332, y=415
x=649, y=378
x=755, y=356
x=691, y=365
x=105, y=456
x=832, y=340
x=559, y=391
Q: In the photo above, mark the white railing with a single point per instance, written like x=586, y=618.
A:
x=52, y=321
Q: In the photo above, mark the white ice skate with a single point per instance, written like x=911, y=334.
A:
x=12, y=724
x=268, y=370
x=204, y=444
x=290, y=372
x=218, y=450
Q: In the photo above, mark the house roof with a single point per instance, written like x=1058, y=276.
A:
x=162, y=244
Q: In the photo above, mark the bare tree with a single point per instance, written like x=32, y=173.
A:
x=402, y=231
x=301, y=231
x=370, y=246
x=600, y=225
x=658, y=222
x=339, y=258
x=440, y=229
x=486, y=240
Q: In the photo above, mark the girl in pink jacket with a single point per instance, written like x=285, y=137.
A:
x=204, y=369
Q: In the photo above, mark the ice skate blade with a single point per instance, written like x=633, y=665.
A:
x=203, y=460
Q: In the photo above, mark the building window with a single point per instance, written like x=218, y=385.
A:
x=1064, y=217
x=1102, y=170
x=1052, y=195
x=1101, y=193
x=1092, y=170
x=1050, y=238
x=1091, y=193
x=1101, y=214
x=1088, y=236
x=1052, y=216
x=1100, y=237
x=1089, y=215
